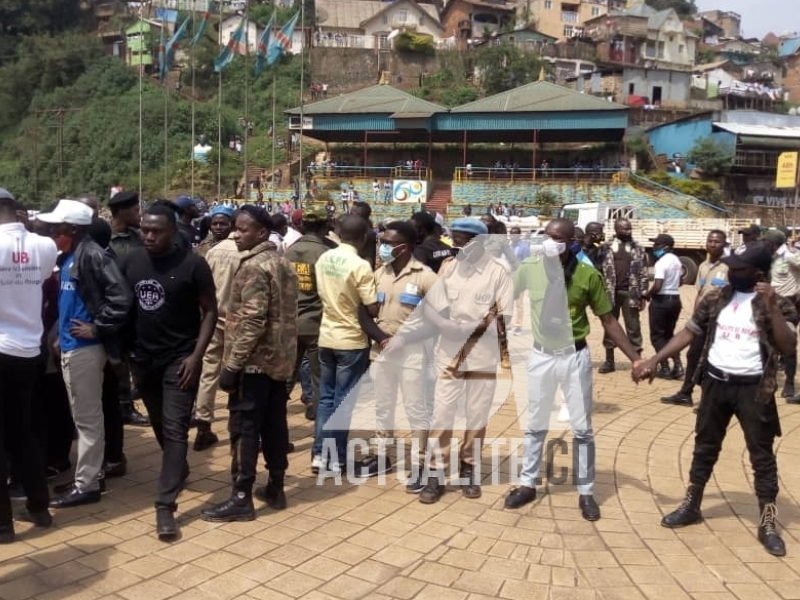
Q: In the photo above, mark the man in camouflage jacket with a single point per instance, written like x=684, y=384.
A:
x=624, y=268
x=259, y=358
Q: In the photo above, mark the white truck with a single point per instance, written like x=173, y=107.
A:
x=689, y=234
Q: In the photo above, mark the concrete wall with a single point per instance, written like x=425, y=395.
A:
x=349, y=69
x=679, y=137
x=674, y=85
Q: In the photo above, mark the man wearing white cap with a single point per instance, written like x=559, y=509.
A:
x=93, y=305
x=28, y=260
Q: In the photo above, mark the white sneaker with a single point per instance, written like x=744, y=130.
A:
x=316, y=464
x=563, y=414
x=517, y=331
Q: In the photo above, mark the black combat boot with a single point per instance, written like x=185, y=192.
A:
x=472, y=488
x=273, y=493
x=205, y=437
x=608, y=365
x=688, y=513
x=239, y=507
x=677, y=368
x=767, y=529
x=131, y=416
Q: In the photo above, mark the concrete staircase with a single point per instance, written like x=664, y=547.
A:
x=440, y=198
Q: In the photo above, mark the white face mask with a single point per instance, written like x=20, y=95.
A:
x=553, y=248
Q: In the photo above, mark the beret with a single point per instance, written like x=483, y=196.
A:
x=471, y=226
x=124, y=199
x=222, y=210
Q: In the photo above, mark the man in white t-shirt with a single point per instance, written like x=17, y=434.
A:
x=27, y=261
x=665, y=305
x=747, y=326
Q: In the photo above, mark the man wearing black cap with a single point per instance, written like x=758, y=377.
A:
x=747, y=326
x=751, y=233
x=125, y=218
x=125, y=221
x=187, y=212
x=665, y=305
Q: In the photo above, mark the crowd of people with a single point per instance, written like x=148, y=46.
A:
x=172, y=306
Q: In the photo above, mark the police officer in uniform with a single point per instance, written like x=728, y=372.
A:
x=747, y=327
x=473, y=291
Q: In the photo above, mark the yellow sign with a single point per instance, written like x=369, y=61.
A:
x=786, y=177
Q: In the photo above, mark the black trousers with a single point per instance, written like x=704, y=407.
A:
x=664, y=313
x=759, y=422
x=112, y=414
x=170, y=410
x=17, y=376
x=257, y=421
x=692, y=359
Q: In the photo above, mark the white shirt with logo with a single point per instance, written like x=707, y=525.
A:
x=26, y=261
x=668, y=268
x=736, y=349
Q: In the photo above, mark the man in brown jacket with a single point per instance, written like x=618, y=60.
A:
x=259, y=358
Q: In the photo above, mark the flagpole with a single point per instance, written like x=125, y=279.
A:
x=246, y=95
x=300, y=173
x=191, y=148
x=165, y=68
x=141, y=91
x=274, y=131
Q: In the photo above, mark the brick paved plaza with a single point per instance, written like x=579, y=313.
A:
x=378, y=542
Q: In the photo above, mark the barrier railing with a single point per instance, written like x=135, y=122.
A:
x=368, y=173
x=511, y=175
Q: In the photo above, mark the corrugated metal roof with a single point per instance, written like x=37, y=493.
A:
x=351, y=14
x=760, y=130
x=380, y=99
x=539, y=96
x=789, y=47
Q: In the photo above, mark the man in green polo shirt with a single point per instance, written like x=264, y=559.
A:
x=560, y=288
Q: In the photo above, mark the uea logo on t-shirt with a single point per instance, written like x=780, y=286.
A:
x=150, y=294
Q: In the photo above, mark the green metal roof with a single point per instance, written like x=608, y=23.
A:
x=378, y=99
x=539, y=96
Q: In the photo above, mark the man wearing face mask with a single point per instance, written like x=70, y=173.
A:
x=592, y=240
x=561, y=288
x=93, y=306
x=747, y=327
x=576, y=247
x=402, y=283
x=665, y=305
x=624, y=268
x=473, y=291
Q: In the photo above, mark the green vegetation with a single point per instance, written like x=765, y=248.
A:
x=712, y=157
x=684, y=8
x=415, y=43
x=704, y=190
x=70, y=118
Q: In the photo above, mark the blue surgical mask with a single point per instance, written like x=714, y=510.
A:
x=575, y=247
x=659, y=253
x=385, y=253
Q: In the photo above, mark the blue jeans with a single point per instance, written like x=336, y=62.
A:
x=340, y=371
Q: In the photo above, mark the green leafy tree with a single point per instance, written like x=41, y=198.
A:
x=505, y=67
x=711, y=156
x=684, y=8
x=25, y=17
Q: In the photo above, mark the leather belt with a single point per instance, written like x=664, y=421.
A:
x=565, y=351
x=720, y=375
x=666, y=296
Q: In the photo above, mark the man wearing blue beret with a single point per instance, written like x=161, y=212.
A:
x=474, y=289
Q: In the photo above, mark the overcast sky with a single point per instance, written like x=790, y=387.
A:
x=759, y=17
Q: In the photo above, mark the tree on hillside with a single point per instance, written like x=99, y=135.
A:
x=23, y=17
x=684, y=8
x=505, y=67
x=711, y=156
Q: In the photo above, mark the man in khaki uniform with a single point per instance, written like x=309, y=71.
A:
x=472, y=291
x=402, y=281
x=223, y=258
